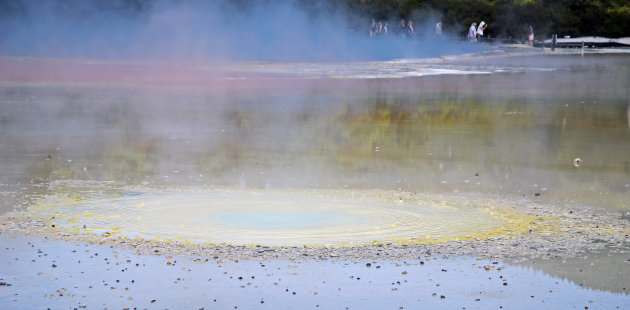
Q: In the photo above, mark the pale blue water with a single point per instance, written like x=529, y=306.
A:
x=273, y=217
x=271, y=220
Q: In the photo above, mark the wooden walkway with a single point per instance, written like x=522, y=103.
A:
x=586, y=41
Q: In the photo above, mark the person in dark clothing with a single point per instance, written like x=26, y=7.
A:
x=402, y=28
x=373, y=28
x=410, y=31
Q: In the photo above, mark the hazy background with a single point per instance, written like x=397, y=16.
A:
x=289, y=30
x=212, y=30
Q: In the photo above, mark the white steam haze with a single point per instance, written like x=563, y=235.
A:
x=207, y=30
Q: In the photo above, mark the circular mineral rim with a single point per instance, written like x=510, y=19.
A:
x=273, y=217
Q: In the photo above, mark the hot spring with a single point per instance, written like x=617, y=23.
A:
x=274, y=217
x=313, y=153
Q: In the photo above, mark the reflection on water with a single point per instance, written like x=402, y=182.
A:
x=515, y=133
x=464, y=282
x=604, y=270
x=273, y=217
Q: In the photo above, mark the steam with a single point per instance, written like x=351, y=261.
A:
x=196, y=30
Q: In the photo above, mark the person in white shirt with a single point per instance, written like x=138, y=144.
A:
x=438, y=28
x=472, y=32
x=480, y=29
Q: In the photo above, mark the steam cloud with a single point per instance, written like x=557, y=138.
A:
x=199, y=30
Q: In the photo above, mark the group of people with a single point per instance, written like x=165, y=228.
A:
x=404, y=29
x=476, y=33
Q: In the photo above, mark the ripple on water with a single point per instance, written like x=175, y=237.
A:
x=273, y=217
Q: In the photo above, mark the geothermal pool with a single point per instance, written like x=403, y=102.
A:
x=272, y=153
x=272, y=217
x=297, y=168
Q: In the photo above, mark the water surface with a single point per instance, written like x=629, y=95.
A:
x=273, y=218
x=506, y=125
x=234, y=153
